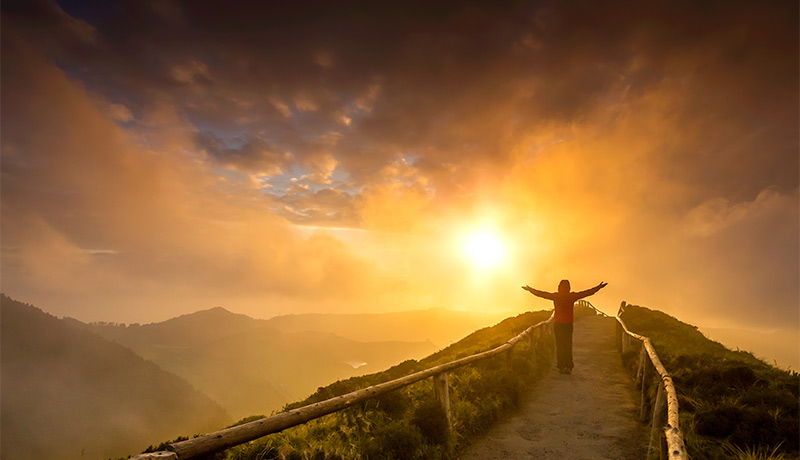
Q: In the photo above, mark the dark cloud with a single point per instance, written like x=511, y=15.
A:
x=252, y=154
x=638, y=116
x=455, y=82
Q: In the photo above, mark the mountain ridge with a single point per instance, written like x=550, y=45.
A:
x=68, y=393
x=273, y=362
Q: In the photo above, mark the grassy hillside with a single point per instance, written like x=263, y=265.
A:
x=731, y=402
x=409, y=424
x=69, y=394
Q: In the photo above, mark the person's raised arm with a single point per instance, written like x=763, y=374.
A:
x=538, y=293
x=591, y=291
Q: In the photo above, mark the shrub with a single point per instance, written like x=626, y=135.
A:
x=395, y=440
x=394, y=404
x=429, y=417
x=728, y=399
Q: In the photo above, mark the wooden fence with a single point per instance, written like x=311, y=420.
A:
x=229, y=437
x=665, y=432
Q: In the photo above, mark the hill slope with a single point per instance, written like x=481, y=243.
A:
x=728, y=400
x=69, y=394
x=409, y=423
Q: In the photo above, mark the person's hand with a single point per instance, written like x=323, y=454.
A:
x=602, y=285
x=527, y=288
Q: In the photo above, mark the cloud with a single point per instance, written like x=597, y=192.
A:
x=190, y=72
x=280, y=106
x=750, y=250
x=304, y=103
x=43, y=257
x=617, y=197
x=168, y=229
x=322, y=167
x=254, y=155
x=324, y=59
x=653, y=145
x=460, y=84
x=328, y=206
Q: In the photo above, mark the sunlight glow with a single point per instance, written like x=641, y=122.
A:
x=484, y=249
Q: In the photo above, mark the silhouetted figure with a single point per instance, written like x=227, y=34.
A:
x=564, y=302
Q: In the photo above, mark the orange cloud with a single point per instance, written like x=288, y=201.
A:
x=602, y=149
x=90, y=211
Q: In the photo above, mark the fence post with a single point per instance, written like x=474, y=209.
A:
x=640, y=369
x=647, y=370
x=619, y=337
x=441, y=390
x=657, y=436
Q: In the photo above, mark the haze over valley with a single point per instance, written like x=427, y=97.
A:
x=104, y=390
x=255, y=366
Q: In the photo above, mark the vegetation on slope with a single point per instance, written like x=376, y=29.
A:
x=732, y=404
x=409, y=423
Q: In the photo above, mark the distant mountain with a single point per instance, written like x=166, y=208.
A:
x=157, y=341
x=70, y=394
x=251, y=366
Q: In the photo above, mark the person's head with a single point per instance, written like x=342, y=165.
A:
x=563, y=286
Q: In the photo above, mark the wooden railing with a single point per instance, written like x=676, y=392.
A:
x=665, y=432
x=233, y=436
x=663, y=415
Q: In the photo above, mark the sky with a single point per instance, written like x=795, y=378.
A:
x=163, y=157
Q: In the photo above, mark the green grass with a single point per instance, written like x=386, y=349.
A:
x=732, y=405
x=751, y=453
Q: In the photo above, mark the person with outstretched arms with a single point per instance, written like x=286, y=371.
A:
x=564, y=302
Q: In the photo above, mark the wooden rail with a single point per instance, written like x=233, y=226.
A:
x=233, y=436
x=587, y=304
x=665, y=428
x=663, y=414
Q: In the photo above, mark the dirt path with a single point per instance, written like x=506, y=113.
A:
x=590, y=414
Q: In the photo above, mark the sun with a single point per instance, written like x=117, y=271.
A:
x=484, y=249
